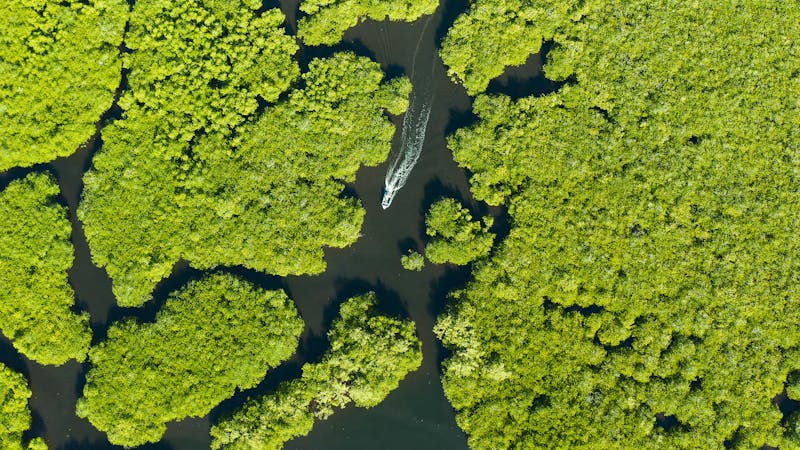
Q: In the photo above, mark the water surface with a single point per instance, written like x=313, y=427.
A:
x=415, y=416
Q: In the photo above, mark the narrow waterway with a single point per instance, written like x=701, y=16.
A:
x=415, y=416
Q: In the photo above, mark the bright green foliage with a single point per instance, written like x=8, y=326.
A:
x=198, y=69
x=327, y=20
x=199, y=66
x=455, y=237
x=59, y=69
x=793, y=421
x=214, y=336
x=495, y=34
x=182, y=175
x=369, y=355
x=412, y=261
x=268, y=422
x=652, y=267
x=35, y=253
x=15, y=417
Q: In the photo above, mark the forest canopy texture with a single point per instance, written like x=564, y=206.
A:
x=59, y=69
x=327, y=20
x=647, y=295
x=475, y=51
x=454, y=237
x=190, y=173
x=368, y=357
x=217, y=334
x=15, y=417
x=652, y=267
x=36, y=300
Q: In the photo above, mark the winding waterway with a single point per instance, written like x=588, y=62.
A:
x=415, y=416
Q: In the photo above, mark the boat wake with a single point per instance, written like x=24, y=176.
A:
x=412, y=136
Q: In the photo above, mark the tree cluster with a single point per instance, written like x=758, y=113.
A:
x=368, y=357
x=475, y=52
x=36, y=300
x=651, y=270
x=200, y=67
x=413, y=261
x=455, y=237
x=193, y=171
x=15, y=417
x=212, y=337
x=326, y=21
x=59, y=70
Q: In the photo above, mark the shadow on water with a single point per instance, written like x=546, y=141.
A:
x=408, y=244
x=348, y=191
x=528, y=79
x=450, y=12
x=667, y=422
x=81, y=379
x=454, y=277
x=260, y=279
x=19, y=173
x=787, y=406
x=37, y=428
x=436, y=189
x=181, y=274
x=460, y=119
x=85, y=444
x=313, y=346
x=289, y=370
x=266, y=5
x=101, y=444
x=306, y=53
x=9, y=356
x=389, y=302
x=501, y=226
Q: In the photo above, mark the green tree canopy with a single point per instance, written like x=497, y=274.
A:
x=35, y=252
x=199, y=67
x=15, y=417
x=369, y=355
x=455, y=237
x=59, y=69
x=213, y=184
x=212, y=337
x=475, y=52
x=652, y=266
x=327, y=20
x=412, y=261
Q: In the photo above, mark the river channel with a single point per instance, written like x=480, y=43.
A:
x=415, y=416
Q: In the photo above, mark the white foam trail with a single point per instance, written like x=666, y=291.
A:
x=412, y=136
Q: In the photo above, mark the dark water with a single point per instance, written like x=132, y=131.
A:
x=415, y=416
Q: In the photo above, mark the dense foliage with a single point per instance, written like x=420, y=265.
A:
x=15, y=417
x=59, y=69
x=36, y=300
x=197, y=70
x=188, y=173
x=412, y=261
x=475, y=51
x=455, y=237
x=214, y=336
x=369, y=355
x=652, y=268
x=199, y=67
x=326, y=21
